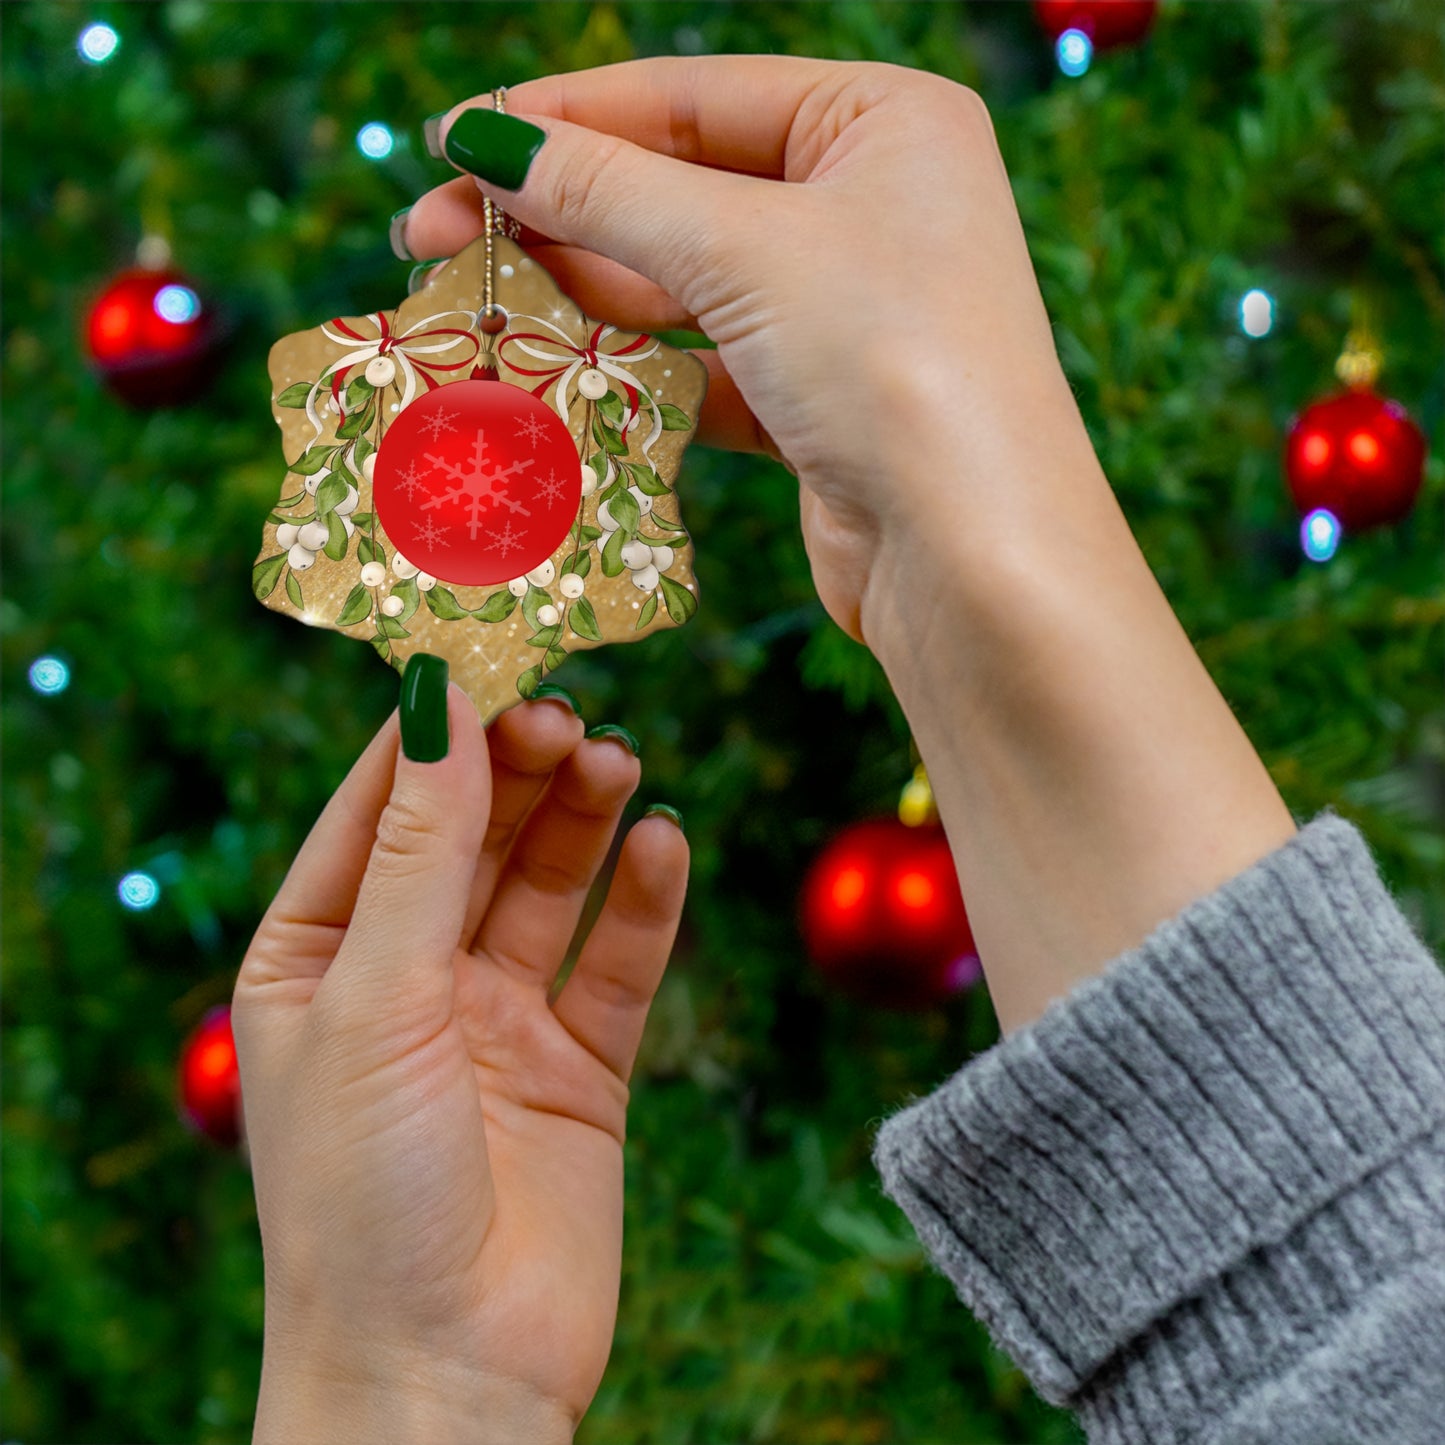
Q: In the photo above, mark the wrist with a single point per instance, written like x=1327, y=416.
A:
x=400, y=1399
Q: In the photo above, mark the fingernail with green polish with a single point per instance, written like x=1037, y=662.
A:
x=616, y=730
x=498, y=148
x=664, y=810
x=550, y=689
x=417, y=279
x=425, y=736
x=431, y=133
x=397, y=232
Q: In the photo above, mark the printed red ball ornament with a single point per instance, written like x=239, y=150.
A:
x=883, y=918
x=151, y=338
x=477, y=482
x=1357, y=455
x=210, y=1081
x=1107, y=23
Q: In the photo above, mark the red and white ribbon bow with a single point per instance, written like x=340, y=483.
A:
x=403, y=349
x=565, y=363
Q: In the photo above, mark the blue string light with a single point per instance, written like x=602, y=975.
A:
x=1256, y=313
x=138, y=891
x=97, y=44
x=1319, y=535
x=1074, y=52
x=375, y=141
x=49, y=675
x=177, y=304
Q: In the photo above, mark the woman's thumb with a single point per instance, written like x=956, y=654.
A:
x=413, y=897
x=661, y=217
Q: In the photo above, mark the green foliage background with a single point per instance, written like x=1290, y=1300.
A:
x=771, y=1294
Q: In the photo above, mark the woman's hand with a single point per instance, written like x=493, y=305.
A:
x=877, y=312
x=437, y=1150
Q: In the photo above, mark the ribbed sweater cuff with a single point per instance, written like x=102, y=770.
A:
x=1195, y=1114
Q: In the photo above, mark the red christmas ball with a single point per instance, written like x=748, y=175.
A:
x=151, y=337
x=1107, y=23
x=1358, y=455
x=477, y=482
x=210, y=1081
x=883, y=917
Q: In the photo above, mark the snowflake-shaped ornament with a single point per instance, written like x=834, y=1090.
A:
x=502, y=520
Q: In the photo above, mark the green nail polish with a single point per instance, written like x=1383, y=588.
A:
x=396, y=230
x=664, y=810
x=616, y=730
x=550, y=689
x=417, y=277
x=431, y=134
x=425, y=736
x=498, y=148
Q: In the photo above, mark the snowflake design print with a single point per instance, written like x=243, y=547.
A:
x=410, y=481
x=506, y=540
x=477, y=483
x=439, y=422
x=551, y=490
x=532, y=431
x=432, y=535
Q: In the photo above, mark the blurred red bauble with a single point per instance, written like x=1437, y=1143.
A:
x=883, y=918
x=151, y=338
x=210, y=1081
x=1357, y=455
x=1107, y=23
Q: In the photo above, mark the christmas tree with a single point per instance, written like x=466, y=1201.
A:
x=1211, y=211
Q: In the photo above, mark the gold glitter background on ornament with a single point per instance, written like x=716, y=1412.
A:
x=486, y=658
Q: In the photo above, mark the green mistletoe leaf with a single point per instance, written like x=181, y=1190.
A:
x=365, y=552
x=647, y=481
x=674, y=418
x=584, y=620
x=309, y=463
x=382, y=646
x=266, y=574
x=681, y=604
x=663, y=525
x=625, y=512
x=497, y=608
x=649, y=611
x=589, y=534
x=527, y=683
x=329, y=493
x=363, y=449
x=598, y=462
x=358, y=390
x=391, y=627
x=337, y=542
x=410, y=594
x=357, y=422
x=358, y=606
x=293, y=590
x=363, y=520
x=291, y=501
x=547, y=637
x=612, y=410
x=612, y=555
x=556, y=656
x=295, y=394
x=578, y=562
x=607, y=439
x=536, y=597
x=444, y=604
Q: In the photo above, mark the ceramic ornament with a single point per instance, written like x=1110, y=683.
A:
x=496, y=488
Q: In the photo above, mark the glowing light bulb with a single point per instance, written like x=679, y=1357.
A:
x=1319, y=535
x=1364, y=448
x=848, y=888
x=1315, y=449
x=97, y=43
x=375, y=141
x=49, y=675
x=1074, y=52
x=177, y=304
x=138, y=891
x=914, y=890
x=1256, y=313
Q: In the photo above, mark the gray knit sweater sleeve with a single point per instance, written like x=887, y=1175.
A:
x=1202, y=1198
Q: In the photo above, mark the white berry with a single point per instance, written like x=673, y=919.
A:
x=589, y=480
x=634, y=421
x=548, y=615
x=316, y=479
x=402, y=567
x=517, y=586
x=286, y=535
x=299, y=558
x=644, y=502
x=347, y=505
x=380, y=370
x=368, y=467
x=645, y=579
x=542, y=575
x=392, y=606
x=592, y=384
x=604, y=518
x=425, y=581
x=662, y=557
x=373, y=574
x=349, y=526
x=636, y=555
x=313, y=536
x=571, y=585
